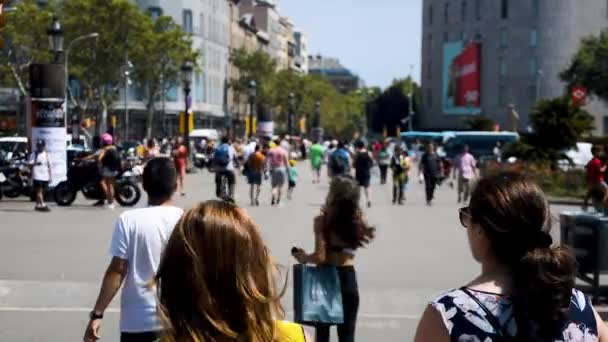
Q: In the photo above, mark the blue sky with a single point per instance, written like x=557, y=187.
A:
x=377, y=39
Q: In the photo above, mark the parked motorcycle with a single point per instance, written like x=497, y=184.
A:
x=84, y=176
x=15, y=180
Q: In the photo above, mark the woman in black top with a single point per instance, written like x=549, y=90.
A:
x=339, y=231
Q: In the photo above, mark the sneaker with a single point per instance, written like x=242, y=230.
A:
x=183, y=194
x=110, y=206
x=45, y=209
x=369, y=204
x=99, y=203
x=257, y=203
x=272, y=202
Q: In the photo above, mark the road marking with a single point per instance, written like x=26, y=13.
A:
x=115, y=310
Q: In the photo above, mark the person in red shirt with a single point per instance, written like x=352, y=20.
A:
x=594, y=174
x=180, y=157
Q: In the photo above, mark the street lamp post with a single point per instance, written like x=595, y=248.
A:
x=127, y=72
x=410, y=101
x=55, y=33
x=93, y=35
x=290, y=117
x=187, y=71
x=252, y=95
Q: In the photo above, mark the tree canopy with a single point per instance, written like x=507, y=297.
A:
x=588, y=68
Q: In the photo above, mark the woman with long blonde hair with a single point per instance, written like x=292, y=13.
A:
x=217, y=281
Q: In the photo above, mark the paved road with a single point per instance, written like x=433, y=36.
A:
x=52, y=263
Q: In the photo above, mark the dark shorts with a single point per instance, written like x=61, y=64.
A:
x=363, y=180
x=108, y=173
x=41, y=185
x=292, y=184
x=254, y=178
x=150, y=336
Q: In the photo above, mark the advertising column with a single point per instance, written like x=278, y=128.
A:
x=46, y=117
x=265, y=123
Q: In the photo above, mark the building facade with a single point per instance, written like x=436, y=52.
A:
x=482, y=57
x=301, y=51
x=331, y=69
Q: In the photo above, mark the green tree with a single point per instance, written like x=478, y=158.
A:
x=26, y=43
x=257, y=66
x=558, y=126
x=393, y=105
x=161, y=49
x=479, y=123
x=99, y=67
x=588, y=67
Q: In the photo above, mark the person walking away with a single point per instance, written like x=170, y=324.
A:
x=277, y=163
x=340, y=230
x=594, y=174
x=384, y=160
x=217, y=281
x=430, y=165
x=255, y=169
x=363, y=163
x=110, y=165
x=180, y=157
x=41, y=174
x=526, y=289
x=224, y=159
x=316, y=161
x=329, y=151
x=400, y=165
x=466, y=171
x=339, y=161
x=293, y=178
x=137, y=243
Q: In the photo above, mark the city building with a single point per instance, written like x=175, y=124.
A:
x=208, y=21
x=300, y=62
x=339, y=76
x=482, y=57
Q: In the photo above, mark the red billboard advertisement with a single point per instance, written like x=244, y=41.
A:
x=463, y=77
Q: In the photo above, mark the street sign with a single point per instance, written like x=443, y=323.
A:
x=579, y=96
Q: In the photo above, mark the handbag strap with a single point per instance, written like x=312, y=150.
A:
x=490, y=317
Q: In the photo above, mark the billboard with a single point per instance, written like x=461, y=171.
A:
x=461, y=78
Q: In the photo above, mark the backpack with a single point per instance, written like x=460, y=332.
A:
x=222, y=155
x=339, y=162
x=396, y=165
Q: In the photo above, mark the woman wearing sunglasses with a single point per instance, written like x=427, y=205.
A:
x=526, y=288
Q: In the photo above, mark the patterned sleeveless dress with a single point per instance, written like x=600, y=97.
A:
x=466, y=321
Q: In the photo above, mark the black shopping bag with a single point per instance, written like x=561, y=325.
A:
x=317, y=297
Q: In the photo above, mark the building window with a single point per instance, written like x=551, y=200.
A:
x=532, y=90
x=429, y=69
x=504, y=38
x=502, y=65
x=431, y=15
x=504, y=9
x=430, y=45
x=502, y=95
x=463, y=36
x=155, y=12
x=429, y=98
x=446, y=13
x=202, y=25
x=446, y=37
x=463, y=11
x=535, y=8
x=478, y=9
x=533, y=38
x=533, y=66
x=605, y=124
x=187, y=21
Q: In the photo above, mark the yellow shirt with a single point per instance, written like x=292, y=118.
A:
x=290, y=332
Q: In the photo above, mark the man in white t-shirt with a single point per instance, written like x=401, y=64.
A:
x=137, y=243
x=41, y=174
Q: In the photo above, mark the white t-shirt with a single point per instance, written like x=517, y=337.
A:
x=139, y=237
x=41, y=169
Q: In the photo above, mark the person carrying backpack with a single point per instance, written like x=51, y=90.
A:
x=384, y=160
x=339, y=161
x=363, y=164
x=224, y=158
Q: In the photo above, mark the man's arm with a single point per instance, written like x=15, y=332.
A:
x=112, y=281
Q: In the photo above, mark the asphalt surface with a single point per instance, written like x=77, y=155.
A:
x=52, y=264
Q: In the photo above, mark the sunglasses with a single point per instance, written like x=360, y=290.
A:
x=465, y=216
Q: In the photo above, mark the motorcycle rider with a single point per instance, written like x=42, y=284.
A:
x=41, y=174
x=109, y=163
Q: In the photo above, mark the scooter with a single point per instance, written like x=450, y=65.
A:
x=84, y=176
x=14, y=180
